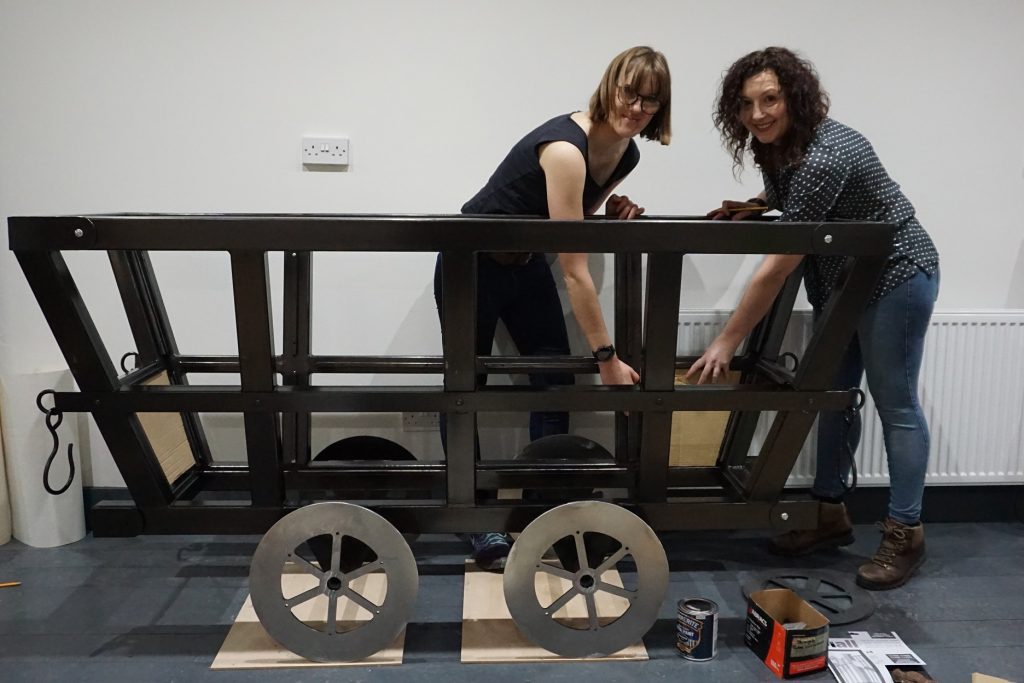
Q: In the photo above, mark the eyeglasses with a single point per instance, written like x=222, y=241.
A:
x=649, y=104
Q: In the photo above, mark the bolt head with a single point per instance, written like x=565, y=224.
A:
x=828, y=239
x=784, y=516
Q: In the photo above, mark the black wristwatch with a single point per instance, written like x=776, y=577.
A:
x=604, y=353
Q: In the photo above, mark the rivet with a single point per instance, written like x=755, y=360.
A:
x=79, y=232
x=828, y=239
x=784, y=516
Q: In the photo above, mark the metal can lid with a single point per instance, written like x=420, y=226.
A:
x=698, y=606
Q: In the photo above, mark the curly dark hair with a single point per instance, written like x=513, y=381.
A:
x=806, y=103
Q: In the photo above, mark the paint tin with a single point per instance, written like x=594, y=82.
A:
x=697, y=629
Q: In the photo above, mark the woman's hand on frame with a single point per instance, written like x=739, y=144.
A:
x=713, y=366
x=622, y=207
x=617, y=371
x=734, y=210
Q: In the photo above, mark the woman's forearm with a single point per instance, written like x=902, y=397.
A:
x=583, y=298
x=759, y=296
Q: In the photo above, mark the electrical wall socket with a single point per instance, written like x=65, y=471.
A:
x=325, y=151
x=420, y=422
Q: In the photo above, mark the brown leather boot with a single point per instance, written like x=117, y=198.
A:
x=899, y=556
x=834, y=530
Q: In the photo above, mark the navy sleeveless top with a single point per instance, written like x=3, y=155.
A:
x=518, y=185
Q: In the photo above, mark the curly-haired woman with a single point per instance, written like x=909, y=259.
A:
x=815, y=169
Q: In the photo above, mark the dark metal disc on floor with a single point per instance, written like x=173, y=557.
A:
x=835, y=595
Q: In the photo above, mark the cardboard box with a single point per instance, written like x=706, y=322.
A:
x=787, y=652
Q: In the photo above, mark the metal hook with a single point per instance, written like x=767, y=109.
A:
x=53, y=420
x=39, y=401
x=796, y=361
x=130, y=354
x=849, y=415
x=860, y=399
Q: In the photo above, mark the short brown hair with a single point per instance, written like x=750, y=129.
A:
x=806, y=103
x=637, y=64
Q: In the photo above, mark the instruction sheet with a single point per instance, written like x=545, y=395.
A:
x=863, y=657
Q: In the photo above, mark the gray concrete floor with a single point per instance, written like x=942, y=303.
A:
x=157, y=608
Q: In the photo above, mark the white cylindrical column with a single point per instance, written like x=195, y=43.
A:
x=5, y=501
x=38, y=518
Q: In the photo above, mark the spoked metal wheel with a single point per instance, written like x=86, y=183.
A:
x=575, y=607
x=341, y=605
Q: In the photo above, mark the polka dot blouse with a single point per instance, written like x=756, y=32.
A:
x=840, y=177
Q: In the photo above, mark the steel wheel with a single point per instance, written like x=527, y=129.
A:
x=327, y=636
x=604, y=535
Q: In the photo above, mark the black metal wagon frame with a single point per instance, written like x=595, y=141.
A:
x=742, y=490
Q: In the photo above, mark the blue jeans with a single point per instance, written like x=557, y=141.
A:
x=888, y=346
x=525, y=298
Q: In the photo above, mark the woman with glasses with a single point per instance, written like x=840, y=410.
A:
x=815, y=169
x=564, y=169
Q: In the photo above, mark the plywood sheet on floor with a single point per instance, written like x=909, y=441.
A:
x=248, y=646
x=489, y=635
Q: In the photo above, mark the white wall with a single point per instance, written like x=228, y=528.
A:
x=192, y=106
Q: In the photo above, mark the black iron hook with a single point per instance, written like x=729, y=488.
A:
x=53, y=419
x=130, y=354
x=860, y=399
x=849, y=416
x=792, y=356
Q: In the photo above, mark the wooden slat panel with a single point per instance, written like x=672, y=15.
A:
x=167, y=438
x=697, y=434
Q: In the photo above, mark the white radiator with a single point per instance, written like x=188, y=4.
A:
x=972, y=391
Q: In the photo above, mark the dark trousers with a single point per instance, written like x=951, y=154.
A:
x=525, y=299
